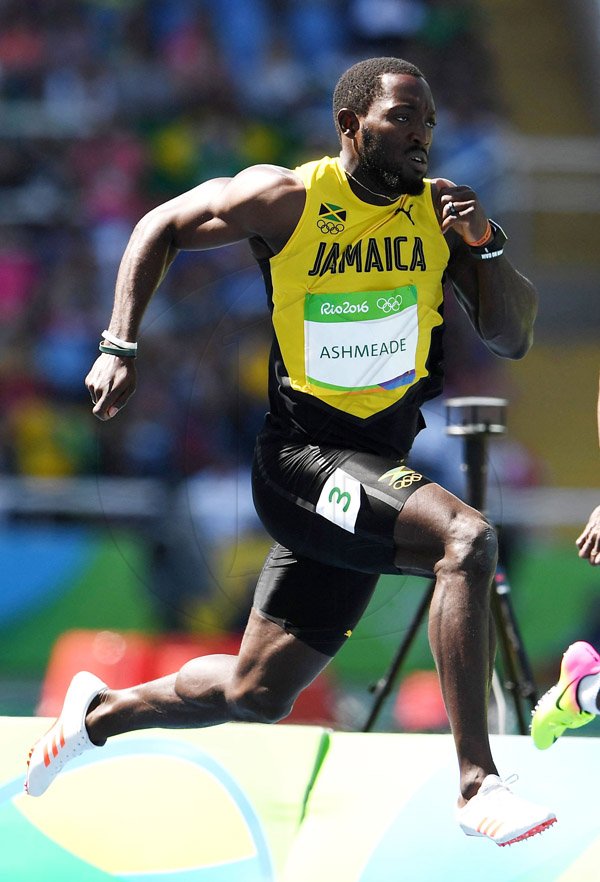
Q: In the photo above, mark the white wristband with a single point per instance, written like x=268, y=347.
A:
x=123, y=344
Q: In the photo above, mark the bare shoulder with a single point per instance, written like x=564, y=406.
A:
x=267, y=199
x=269, y=182
x=261, y=202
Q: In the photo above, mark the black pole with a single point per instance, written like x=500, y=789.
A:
x=522, y=685
x=475, y=469
x=382, y=688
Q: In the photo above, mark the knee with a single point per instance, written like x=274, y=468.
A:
x=473, y=546
x=258, y=704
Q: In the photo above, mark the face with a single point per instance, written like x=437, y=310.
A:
x=394, y=137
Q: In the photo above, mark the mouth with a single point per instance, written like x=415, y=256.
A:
x=418, y=159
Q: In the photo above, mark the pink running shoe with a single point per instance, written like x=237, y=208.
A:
x=558, y=708
x=67, y=738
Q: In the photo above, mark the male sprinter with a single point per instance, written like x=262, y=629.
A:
x=358, y=253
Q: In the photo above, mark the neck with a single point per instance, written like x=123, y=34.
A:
x=361, y=189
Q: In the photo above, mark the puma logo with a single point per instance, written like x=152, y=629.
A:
x=407, y=212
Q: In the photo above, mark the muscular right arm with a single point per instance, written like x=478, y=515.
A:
x=219, y=212
x=152, y=248
x=263, y=202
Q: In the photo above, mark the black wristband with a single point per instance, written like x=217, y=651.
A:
x=494, y=247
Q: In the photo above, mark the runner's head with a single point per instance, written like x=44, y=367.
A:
x=385, y=114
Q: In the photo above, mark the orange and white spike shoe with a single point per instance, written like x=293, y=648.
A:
x=67, y=738
x=495, y=812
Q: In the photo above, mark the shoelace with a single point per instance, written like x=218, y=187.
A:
x=504, y=783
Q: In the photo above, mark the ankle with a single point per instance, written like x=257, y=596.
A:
x=471, y=781
x=587, y=693
x=96, y=715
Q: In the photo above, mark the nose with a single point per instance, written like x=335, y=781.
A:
x=421, y=135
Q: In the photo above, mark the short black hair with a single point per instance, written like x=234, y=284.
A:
x=360, y=85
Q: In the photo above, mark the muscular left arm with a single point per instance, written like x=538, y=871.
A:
x=500, y=302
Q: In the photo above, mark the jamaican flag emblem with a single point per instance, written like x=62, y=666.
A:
x=331, y=218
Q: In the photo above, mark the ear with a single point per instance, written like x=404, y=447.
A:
x=348, y=122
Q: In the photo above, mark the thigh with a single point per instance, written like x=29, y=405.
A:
x=432, y=518
x=314, y=602
x=337, y=507
x=274, y=660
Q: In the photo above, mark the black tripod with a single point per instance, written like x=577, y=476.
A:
x=474, y=419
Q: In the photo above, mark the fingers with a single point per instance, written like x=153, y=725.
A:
x=102, y=407
x=108, y=405
x=104, y=411
x=460, y=194
x=590, y=550
x=454, y=206
x=110, y=384
x=589, y=544
x=462, y=211
x=99, y=392
x=458, y=210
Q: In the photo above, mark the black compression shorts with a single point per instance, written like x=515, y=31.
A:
x=332, y=514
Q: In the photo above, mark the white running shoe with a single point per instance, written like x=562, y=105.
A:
x=504, y=818
x=67, y=738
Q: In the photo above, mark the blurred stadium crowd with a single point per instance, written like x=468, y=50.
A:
x=110, y=107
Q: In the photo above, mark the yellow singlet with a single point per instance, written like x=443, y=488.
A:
x=356, y=293
x=356, y=299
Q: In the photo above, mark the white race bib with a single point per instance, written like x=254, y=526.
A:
x=361, y=340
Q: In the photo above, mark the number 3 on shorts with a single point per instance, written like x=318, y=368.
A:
x=339, y=500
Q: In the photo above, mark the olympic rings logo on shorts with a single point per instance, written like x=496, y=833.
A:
x=330, y=227
x=407, y=480
x=390, y=304
x=401, y=477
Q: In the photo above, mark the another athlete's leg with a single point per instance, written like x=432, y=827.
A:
x=572, y=701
